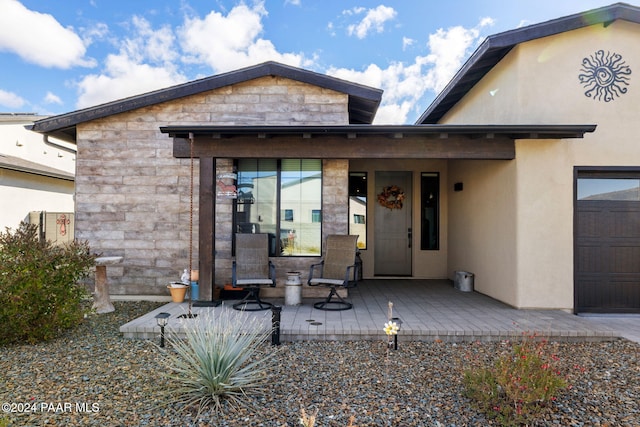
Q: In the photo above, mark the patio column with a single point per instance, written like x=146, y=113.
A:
x=206, y=227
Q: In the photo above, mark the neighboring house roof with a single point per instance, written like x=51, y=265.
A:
x=497, y=46
x=363, y=100
x=10, y=118
x=26, y=166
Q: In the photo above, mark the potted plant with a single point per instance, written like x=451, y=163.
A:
x=178, y=291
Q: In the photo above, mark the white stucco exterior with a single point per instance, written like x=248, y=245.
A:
x=513, y=223
x=22, y=192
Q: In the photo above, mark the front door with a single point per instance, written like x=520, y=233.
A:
x=392, y=224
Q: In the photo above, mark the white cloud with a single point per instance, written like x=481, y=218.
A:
x=393, y=113
x=149, y=58
x=51, y=98
x=449, y=48
x=373, y=20
x=96, y=31
x=39, y=39
x=124, y=77
x=405, y=85
x=331, y=29
x=354, y=11
x=229, y=42
x=145, y=62
x=11, y=100
x=293, y=2
x=406, y=42
x=487, y=21
x=156, y=46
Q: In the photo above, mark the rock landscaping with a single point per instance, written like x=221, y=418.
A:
x=93, y=377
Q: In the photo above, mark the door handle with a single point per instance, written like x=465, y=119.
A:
x=409, y=235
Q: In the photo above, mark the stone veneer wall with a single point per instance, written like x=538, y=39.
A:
x=132, y=195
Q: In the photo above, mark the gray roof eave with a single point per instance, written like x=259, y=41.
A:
x=363, y=100
x=524, y=131
x=20, y=165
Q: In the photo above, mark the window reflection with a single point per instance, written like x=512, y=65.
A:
x=429, y=216
x=301, y=199
x=282, y=199
x=622, y=189
x=358, y=207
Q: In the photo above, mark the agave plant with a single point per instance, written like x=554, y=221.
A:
x=219, y=360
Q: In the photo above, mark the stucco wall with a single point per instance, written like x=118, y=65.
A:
x=22, y=192
x=537, y=83
x=482, y=226
x=17, y=141
x=132, y=195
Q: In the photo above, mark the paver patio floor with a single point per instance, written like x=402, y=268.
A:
x=429, y=310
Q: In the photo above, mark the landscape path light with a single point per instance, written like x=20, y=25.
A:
x=162, y=319
x=398, y=323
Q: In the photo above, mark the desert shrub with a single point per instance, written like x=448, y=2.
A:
x=39, y=291
x=309, y=420
x=219, y=361
x=519, y=385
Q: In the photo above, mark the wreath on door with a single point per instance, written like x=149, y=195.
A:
x=391, y=197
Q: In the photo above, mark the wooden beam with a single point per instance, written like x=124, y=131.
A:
x=206, y=227
x=336, y=147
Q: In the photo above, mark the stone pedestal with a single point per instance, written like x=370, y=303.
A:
x=101, y=300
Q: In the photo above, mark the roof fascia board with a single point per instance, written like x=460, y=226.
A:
x=455, y=81
x=552, y=131
x=35, y=171
x=52, y=124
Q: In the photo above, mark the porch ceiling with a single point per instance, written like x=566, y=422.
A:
x=364, y=141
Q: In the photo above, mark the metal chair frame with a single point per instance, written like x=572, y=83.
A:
x=252, y=301
x=334, y=302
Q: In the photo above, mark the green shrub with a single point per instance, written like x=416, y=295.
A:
x=219, y=361
x=519, y=385
x=39, y=291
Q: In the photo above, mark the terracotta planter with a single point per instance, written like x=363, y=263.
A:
x=195, y=275
x=178, y=292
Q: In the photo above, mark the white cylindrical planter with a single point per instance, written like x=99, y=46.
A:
x=293, y=289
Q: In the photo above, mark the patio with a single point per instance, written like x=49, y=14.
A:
x=430, y=310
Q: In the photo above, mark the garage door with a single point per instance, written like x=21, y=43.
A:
x=607, y=243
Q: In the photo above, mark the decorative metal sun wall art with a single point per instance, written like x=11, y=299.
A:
x=605, y=76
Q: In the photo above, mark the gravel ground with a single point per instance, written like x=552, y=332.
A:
x=93, y=377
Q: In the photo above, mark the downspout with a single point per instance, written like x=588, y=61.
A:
x=45, y=138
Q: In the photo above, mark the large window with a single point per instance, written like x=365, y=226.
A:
x=358, y=207
x=429, y=216
x=283, y=199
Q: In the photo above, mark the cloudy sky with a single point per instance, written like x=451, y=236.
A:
x=60, y=56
